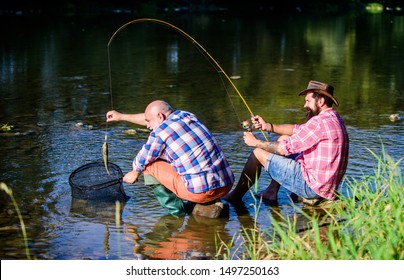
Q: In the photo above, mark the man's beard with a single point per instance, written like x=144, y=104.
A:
x=311, y=113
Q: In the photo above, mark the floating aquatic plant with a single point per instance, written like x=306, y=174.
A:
x=6, y=127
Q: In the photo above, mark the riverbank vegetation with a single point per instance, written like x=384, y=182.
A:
x=365, y=224
x=9, y=192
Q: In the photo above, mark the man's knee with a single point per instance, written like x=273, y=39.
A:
x=261, y=155
x=282, y=137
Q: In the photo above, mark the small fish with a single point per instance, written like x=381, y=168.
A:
x=105, y=154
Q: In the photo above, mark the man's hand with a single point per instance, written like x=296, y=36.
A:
x=250, y=139
x=113, y=116
x=258, y=122
x=131, y=177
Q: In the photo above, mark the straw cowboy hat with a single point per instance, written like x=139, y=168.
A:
x=321, y=88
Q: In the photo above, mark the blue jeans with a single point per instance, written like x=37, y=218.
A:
x=288, y=173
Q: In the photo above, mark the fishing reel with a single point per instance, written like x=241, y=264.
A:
x=246, y=125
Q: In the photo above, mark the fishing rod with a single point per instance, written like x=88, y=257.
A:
x=190, y=38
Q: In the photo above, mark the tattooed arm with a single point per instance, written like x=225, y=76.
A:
x=272, y=147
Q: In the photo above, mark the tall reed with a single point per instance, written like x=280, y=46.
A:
x=9, y=192
x=365, y=224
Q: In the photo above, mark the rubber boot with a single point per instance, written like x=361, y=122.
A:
x=251, y=170
x=165, y=197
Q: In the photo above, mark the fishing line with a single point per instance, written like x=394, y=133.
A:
x=228, y=95
x=105, y=145
x=201, y=49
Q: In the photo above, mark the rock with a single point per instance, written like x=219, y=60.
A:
x=130, y=131
x=313, y=202
x=209, y=210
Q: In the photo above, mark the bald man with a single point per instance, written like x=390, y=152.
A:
x=181, y=159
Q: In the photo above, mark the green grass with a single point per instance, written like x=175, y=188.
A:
x=365, y=224
x=9, y=192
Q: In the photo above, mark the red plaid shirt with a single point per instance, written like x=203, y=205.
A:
x=323, y=146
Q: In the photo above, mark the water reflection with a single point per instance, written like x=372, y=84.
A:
x=186, y=238
x=172, y=58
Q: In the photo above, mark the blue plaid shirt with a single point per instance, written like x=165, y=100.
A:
x=185, y=143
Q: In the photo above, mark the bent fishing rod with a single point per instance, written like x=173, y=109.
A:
x=216, y=65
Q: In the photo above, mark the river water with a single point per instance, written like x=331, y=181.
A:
x=54, y=90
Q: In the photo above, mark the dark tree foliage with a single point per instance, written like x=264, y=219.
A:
x=250, y=6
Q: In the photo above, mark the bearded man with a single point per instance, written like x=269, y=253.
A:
x=319, y=148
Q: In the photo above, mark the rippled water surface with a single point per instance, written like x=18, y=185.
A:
x=54, y=90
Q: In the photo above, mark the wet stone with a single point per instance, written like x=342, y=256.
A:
x=209, y=210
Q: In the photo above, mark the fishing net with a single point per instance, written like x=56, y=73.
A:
x=92, y=182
